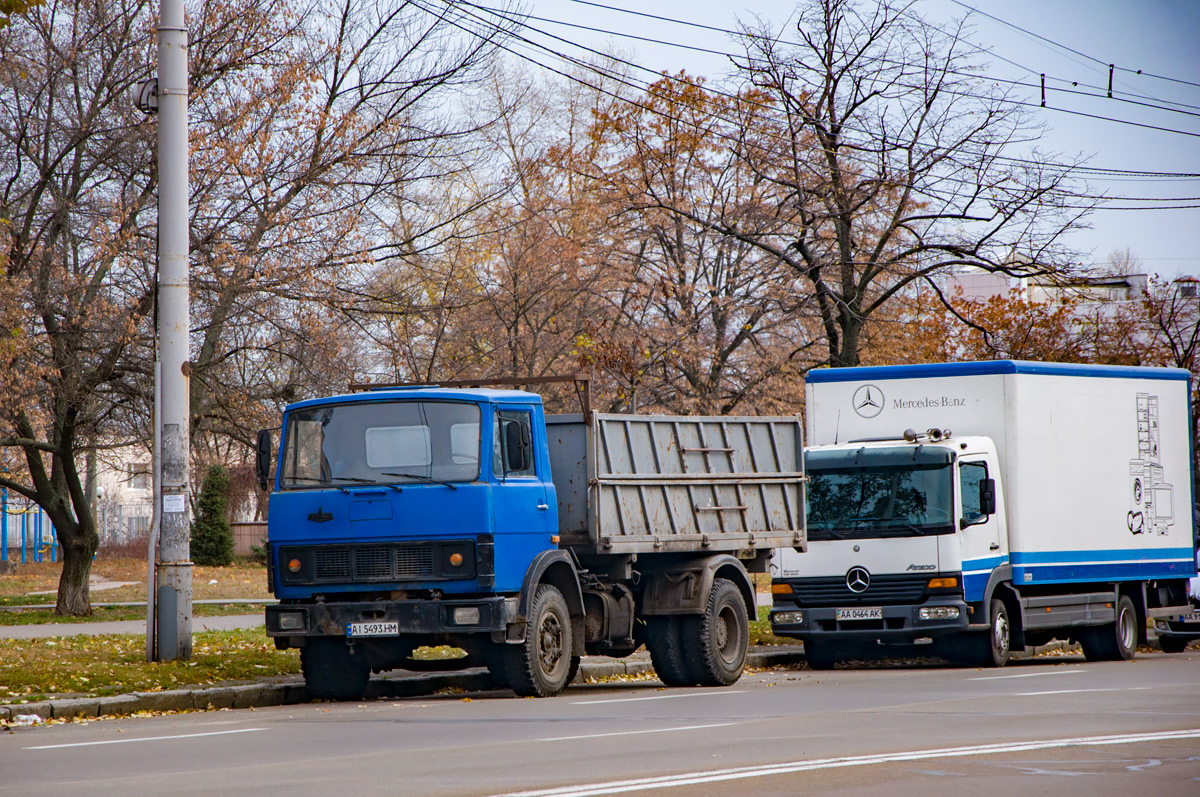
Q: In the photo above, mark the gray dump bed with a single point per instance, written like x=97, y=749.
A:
x=658, y=483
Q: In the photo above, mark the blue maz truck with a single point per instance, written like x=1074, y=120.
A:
x=990, y=507
x=403, y=517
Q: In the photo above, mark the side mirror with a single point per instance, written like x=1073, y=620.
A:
x=262, y=459
x=514, y=447
x=987, y=496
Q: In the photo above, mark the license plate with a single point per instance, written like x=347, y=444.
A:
x=1194, y=617
x=372, y=629
x=863, y=613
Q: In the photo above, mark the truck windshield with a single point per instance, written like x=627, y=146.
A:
x=882, y=501
x=380, y=442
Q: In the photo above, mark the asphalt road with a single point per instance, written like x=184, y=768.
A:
x=1057, y=726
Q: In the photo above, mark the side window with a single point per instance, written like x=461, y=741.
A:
x=971, y=476
x=512, y=443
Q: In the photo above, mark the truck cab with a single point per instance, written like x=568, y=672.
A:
x=913, y=524
x=416, y=490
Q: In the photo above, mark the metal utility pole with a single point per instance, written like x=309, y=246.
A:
x=174, y=582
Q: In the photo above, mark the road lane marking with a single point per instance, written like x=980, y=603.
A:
x=143, y=739
x=635, y=733
x=1027, y=675
x=1032, y=675
x=1078, y=691
x=741, y=773
x=718, y=693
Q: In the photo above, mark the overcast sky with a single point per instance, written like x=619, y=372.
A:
x=1159, y=37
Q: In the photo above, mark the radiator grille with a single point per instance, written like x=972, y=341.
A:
x=332, y=565
x=384, y=562
x=414, y=561
x=883, y=590
x=372, y=563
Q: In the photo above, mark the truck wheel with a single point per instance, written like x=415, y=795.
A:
x=821, y=655
x=1172, y=644
x=999, y=638
x=540, y=666
x=332, y=671
x=666, y=651
x=715, y=642
x=1114, y=642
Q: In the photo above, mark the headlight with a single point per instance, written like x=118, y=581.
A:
x=291, y=621
x=466, y=615
x=788, y=618
x=938, y=613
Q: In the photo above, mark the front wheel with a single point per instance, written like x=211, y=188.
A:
x=1172, y=644
x=333, y=670
x=541, y=665
x=821, y=655
x=1116, y=641
x=999, y=647
x=715, y=643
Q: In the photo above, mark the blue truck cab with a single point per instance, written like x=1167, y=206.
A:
x=394, y=490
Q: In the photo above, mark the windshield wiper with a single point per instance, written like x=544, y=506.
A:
x=371, y=482
x=421, y=478
x=314, y=480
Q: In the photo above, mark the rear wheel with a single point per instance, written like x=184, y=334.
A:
x=541, y=665
x=666, y=651
x=1116, y=641
x=715, y=642
x=332, y=670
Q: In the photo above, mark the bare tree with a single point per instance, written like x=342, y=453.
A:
x=76, y=204
x=887, y=159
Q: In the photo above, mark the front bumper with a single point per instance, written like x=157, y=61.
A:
x=899, y=624
x=297, y=621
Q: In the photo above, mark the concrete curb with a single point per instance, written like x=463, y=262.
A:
x=294, y=692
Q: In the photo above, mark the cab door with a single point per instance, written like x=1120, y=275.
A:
x=523, y=520
x=979, y=524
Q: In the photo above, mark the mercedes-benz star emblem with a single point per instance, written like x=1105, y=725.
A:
x=858, y=579
x=868, y=401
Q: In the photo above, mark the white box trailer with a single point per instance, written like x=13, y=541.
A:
x=991, y=506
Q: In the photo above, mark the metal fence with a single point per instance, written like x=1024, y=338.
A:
x=26, y=533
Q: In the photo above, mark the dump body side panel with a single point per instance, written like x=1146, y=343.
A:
x=658, y=484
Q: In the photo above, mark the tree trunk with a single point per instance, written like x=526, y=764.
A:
x=74, y=597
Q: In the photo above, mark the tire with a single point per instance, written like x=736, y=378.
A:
x=573, y=669
x=541, y=665
x=715, y=643
x=998, y=648
x=1172, y=644
x=666, y=651
x=821, y=655
x=1116, y=641
x=332, y=670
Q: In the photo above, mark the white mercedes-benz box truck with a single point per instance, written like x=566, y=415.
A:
x=990, y=507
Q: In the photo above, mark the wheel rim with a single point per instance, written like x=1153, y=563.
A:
x=1125, y=630
x=1000, y=635
x=725, y=634
x=550, y=641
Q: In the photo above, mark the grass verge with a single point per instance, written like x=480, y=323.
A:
x=113, y=664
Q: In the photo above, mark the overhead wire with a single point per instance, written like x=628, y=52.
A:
x=1182, y=107
x=643, y=87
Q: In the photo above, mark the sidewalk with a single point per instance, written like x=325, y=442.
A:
x=45, y=630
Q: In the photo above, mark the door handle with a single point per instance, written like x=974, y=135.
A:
x=543, y=507
x=995, y=546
